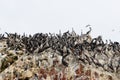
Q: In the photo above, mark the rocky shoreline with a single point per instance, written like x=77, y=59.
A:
x=66, y=56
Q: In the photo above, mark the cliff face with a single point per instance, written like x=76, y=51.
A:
x=66, y=56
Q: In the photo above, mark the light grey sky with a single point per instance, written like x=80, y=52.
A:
x=31, y=16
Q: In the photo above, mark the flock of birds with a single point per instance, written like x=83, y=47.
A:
x=92, y=51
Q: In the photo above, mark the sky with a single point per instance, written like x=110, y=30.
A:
x=32, y=16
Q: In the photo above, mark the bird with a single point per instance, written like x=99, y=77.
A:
x=88, y=25
x=113, y=30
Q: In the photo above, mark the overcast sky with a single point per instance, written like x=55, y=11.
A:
x=31, y=16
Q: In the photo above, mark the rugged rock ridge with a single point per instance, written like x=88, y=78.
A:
x=66, y=56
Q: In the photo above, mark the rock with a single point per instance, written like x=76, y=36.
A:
x=27, y=73
x=47, y=55
x=1, y=78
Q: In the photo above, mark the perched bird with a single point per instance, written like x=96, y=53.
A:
x=88, y=25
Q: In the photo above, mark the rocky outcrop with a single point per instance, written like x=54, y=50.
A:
x=66, y=56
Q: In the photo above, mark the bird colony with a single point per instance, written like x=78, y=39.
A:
x=63, y=56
